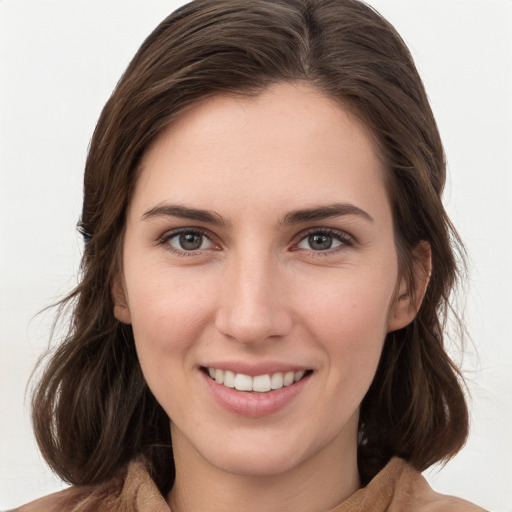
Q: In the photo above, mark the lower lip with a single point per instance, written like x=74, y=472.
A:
x=251, y=403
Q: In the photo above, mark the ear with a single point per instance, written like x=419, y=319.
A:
x=121, y=309
x=408, y=301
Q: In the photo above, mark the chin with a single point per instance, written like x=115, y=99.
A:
x=262, y=453
x=256, y=462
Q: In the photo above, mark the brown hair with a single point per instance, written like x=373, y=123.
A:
x=92, y=410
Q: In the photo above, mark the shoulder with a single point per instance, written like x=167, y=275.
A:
x=131, y=489
x=399, y=487
x=61, y=501
x=412, y=492
x=79, y=498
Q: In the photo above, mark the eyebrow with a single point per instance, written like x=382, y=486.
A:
x=183, y=212
x=324, y=212
x=291, y=218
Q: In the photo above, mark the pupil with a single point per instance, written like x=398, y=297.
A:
x=320, y=242
x=190, y=241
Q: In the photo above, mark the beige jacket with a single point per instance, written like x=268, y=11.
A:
x=397, y=488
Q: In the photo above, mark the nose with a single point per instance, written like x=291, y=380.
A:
x=254, y=304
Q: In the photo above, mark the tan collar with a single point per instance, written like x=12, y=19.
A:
x=397, y=488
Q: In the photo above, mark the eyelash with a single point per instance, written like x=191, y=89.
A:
x=340, y=236
x=167, y=237
x=344, y=238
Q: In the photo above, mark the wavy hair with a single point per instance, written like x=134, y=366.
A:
x=92, y=410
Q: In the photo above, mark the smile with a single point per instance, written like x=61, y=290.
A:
x=259, y=383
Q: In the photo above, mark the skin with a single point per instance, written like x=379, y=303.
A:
x=258, y=291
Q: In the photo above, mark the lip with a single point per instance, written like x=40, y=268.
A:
x=252, y=404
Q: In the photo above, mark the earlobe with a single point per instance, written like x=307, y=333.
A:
x=121, y=309
x=410, y=296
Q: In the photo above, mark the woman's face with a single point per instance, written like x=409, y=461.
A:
x=259, y=249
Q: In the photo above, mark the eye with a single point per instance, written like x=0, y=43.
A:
x=187, y=241
x=324, y=240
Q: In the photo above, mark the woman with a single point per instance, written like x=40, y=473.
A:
x=266, y=270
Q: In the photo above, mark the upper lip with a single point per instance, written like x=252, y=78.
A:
x=253, y=369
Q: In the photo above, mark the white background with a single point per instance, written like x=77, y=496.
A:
x=59, y=62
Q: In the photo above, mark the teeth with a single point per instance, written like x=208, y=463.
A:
x=288, y=378
x=259, y=383
x=229, y=379
x=219, y=376
x=242, y=382
x=298, y=375
x=276, y=382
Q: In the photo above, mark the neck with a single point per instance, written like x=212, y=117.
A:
x=316, y=485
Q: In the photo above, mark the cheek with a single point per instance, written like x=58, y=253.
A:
x=169, y=314
x=348, y=298
x=168, y=311
x=348, y=315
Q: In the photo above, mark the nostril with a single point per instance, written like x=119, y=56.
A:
x=254, y=326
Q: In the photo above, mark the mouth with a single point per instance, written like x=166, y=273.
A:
x=258, y=383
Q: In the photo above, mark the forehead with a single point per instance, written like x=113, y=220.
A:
x=290, y=143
